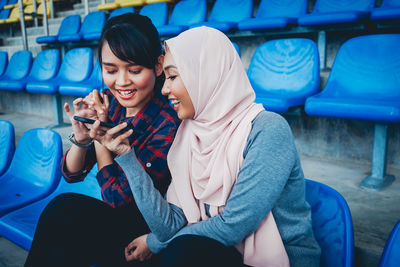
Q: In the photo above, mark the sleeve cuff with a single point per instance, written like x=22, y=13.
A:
x=154, y=245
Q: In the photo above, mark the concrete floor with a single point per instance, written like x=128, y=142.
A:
x=374, y=213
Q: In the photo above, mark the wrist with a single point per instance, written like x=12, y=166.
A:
x=82, y=144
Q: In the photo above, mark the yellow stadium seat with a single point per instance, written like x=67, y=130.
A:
x=108, y=6
x=158, y=1
x=132, y=3
x=14, y=16
x=120, y=3
x=24, y=3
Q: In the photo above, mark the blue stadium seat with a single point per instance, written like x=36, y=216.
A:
x=95, y=81
x=121, y=11
x=45, y=67
x=3, y=3
x=391, y=252
x=68, y=31
x=5, y=14
x=389, y=10
x=275, y=14
x=92, y=25
x=226, y=14
x=328, y=12
x=19, y=226
x=284, y=73
x=157, y=12
x=7, y=148
x=76, y=67
x=18, y=68
x=363, y=85
x=332, y=225
x=185, y=12
x=3, y=62
x=34, y=171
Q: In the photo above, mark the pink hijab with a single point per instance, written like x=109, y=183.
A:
x=207, y=153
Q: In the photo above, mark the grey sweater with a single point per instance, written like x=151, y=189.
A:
x=271, y=179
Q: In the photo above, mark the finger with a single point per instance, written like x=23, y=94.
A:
x=77, y=104
x=94, y=130
x=117, y=129
x=106, y=101
x=68, y=110
x=120, y=139
x=131, y=245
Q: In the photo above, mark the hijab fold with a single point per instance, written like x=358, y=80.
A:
x=207, y=153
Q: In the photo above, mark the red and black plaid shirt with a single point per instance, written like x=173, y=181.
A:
x=158, y=122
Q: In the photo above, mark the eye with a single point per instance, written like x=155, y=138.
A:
x=111, y=71
x=135, y=71
x=172, y=77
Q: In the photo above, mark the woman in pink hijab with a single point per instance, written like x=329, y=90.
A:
x=237, y=195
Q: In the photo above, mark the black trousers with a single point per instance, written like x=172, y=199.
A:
x=77, y=230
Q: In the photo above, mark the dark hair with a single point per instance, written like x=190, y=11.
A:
x=133, y=38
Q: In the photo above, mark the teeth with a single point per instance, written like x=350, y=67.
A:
x=175, y=102
x=126, y=92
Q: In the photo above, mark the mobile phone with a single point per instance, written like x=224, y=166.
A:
x=106, y=124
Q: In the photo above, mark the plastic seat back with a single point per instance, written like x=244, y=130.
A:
x=70, y=25
x=93, y=24
x=3, y=3
x=3, y=62
x=45, y=65
x=158, y=13
x=5, y=13
x=332, y=225
x=7, y=148
x=37, y=157
x=366, y=67
x=391, y=252
x=327, y=6
x=231, y=10
x=281, y=8
x=285, y=67
x=188, y=12
x=76, y=65
x=121, y=11
x=19, y=65
x=390, y=3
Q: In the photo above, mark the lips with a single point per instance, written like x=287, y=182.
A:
x=126, y=93
x=175, y=103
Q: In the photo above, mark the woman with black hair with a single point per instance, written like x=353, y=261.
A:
x=78, y=230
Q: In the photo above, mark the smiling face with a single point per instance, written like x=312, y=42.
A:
x=132, y=85
x=176, y=90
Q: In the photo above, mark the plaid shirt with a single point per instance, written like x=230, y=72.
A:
x=159, y=123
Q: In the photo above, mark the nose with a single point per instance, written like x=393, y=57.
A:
x=122, y=79
x=165, y=90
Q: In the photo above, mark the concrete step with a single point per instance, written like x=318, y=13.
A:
x=53, y=29
x=35, y=49
x=71, y=12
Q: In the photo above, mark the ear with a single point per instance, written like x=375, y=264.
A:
x=159, y=65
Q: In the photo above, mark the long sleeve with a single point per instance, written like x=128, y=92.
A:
x=164, y=219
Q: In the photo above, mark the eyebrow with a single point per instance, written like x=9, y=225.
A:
x=169, y=67
x=113, y=65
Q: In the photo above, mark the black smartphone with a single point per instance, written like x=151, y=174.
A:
x=106, y=124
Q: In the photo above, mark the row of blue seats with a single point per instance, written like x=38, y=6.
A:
x=232, y=14
x=75, y=75
x=26, y=192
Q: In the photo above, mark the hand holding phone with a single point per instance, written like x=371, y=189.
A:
x=106, y=124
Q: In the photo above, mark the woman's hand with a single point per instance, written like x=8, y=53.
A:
x=112, y=139
x=100, y=103
x=138, y=250
x=82, y=109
